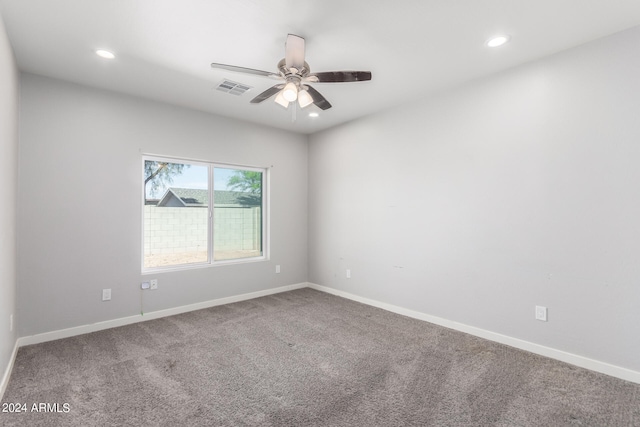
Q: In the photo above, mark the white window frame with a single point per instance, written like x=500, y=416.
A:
x=265, y=209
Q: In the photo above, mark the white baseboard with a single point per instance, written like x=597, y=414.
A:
x=7, y=372
x=583, y=362
x=108, y=324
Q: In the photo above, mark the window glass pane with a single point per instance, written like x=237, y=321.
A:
x=176, y=213
x=237, y=214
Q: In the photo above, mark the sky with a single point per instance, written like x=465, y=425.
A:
x=195, y=177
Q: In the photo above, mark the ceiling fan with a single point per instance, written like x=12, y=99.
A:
x=295, y=75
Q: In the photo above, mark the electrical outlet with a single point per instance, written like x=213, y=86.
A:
x=541, y=313
x=153, y=284
x=106, y=294
x=348, y=274
x=145, y=285
x=278, y=268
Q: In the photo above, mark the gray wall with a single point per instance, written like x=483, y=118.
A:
x=81, y=153
x=9, y=180
x=517, y=190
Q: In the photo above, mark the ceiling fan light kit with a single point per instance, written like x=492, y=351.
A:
x=295, y=73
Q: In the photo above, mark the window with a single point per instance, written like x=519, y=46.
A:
x=198, y=213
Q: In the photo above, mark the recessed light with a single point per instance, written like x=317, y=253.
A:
x=496, y=41
x=105, y=54
x=314, y=114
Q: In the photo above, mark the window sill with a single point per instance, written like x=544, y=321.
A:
x=195, y=266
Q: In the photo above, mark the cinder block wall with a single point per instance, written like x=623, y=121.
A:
x=237, y=229
x=170, y=230
x=174, y=230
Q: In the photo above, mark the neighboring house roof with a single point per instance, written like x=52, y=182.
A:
x=236, y=198
x=187, y=197
x=191, y=197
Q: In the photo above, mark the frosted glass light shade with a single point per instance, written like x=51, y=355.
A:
x=280, y=99
x=304, y=99
x=290, y=92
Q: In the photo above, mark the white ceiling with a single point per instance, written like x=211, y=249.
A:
x=414, y=48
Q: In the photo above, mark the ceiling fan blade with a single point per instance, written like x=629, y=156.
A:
x=318, y=99
x=294, y=52
x=267, y=94
x=340, y=76
x=244, y=70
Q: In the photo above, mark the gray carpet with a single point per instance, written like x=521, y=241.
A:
x=305, y=358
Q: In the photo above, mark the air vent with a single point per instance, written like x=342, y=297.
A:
x=233, y=88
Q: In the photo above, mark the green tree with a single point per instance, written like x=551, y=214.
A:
x=160, y=174
x=246, y=182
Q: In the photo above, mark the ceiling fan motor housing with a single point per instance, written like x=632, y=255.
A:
x=286, y=72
